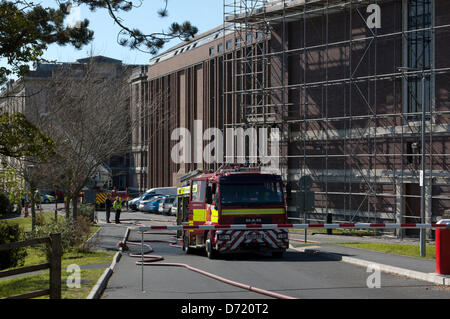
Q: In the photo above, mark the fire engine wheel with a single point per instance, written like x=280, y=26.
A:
x=186, y=248
x=210, y=252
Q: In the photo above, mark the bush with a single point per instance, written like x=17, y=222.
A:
x=10, y=233
x=39, y=220
x=73, y=233
x=88, y=211
x=5, y=205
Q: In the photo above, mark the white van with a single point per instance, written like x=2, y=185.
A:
x=162, y=191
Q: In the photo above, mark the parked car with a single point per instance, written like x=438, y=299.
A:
x=167, y=191
x=151, y=205
x=174, y=208
x=47, y=199
x=133, y=204
x=166, y=204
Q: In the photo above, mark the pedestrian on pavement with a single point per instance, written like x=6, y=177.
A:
x=108, y=205
x=118, y=208
x=37, y=199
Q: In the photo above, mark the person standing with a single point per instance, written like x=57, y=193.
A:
x=118, y=208
x=37, y=199
x=108, y=204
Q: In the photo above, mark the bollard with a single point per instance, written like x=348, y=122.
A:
x=443, y=249
x=329, y=221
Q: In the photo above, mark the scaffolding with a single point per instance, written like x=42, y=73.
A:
x=359, y=107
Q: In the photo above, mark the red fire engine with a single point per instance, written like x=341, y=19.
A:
x=236, y=195
x=101, y=197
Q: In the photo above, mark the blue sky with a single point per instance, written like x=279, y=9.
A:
x=204, y=14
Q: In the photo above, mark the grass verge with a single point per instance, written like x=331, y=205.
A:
x=341, y=232
x=36, y=255
x=396, y=249
x=17, y=286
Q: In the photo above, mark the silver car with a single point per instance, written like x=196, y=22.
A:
x=174, y=208
x=166, y=204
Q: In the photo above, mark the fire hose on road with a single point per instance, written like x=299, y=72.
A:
x=150, y=260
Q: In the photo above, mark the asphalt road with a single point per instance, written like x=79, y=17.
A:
x=296, y=275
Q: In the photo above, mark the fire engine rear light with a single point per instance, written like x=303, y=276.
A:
x=223, y=237
x=282, y=235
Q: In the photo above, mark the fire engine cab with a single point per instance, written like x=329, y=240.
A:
x=232, y=196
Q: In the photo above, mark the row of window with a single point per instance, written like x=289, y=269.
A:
x=185, y=49
x=237, y=43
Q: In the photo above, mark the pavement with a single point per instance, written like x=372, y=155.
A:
x=411, y=267
x=318, y=245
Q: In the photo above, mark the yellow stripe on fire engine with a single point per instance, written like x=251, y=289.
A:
x=214, y=215
x=199, y=215
x=100, y=198
x=275, y=211
x=186, y=190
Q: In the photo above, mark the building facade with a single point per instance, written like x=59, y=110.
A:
x=357, y=89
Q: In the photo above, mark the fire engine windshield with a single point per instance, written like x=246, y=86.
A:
x=248, y=193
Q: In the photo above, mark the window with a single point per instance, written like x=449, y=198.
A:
x=229, y=45
x=251, y=193
x=249, y=37
x=211, y=51
x=259, y=34
x=237, y=42
x=198, y=191
x=219, y=48
x=419, y=53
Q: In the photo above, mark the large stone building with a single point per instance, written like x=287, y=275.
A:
x=341, y=80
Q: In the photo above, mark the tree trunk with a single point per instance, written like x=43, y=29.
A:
x=33, y=213
x=75, y=207
x=67, y=207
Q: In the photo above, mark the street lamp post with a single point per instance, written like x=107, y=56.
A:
x=422, y=175
x=422, y=163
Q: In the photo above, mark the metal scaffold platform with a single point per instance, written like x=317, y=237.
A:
x=362, y=109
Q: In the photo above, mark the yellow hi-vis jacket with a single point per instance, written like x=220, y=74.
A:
x=117, y=205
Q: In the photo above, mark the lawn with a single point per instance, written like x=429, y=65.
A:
x=341, y=232
x=396, y=249
x=36, y=255
x=29, y=283
x=25, y=223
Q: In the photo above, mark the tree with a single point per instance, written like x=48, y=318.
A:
x=146, y=42
x=26, y=30
x=12, y=185
x=89, y=121
x=19, y=137
x=22, y=177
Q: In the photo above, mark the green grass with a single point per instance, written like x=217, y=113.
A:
x=17, y=286
x=36, y=255
x=25, y=222
x=396, y=249
x=342, y=232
